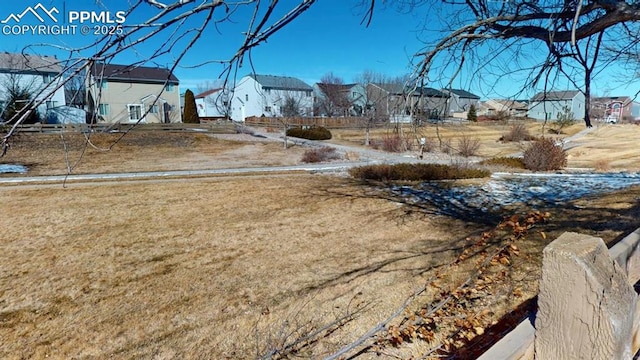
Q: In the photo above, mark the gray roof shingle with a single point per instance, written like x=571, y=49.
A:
x=133, y=73
x=281, y=82
x=555, y=95
x=29, y=63
x=400, y=88
x=465, y=94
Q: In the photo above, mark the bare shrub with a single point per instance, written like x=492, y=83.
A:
x=351, y=155
x=321, y=154
x=429, y=145
x=445, y=146
x=468, y=146
x=391, y=143
x=408, y=143
x=502, y=116
x=517, y=132
x=603, y=165
x=545, y=154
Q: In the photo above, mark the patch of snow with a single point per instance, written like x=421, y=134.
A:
x=508, y=190
x=12, y=169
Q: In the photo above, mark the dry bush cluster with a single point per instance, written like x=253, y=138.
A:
x=603, y=165
x=429, y=145
x=512, y=162
x=393, y=143
x=314, y=133
x=544, y=155
x=517, y=132
x=320, y=154
x=468, y=146
x=446, y=146
x=415, y=172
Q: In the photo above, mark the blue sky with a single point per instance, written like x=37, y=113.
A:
x=329, y=37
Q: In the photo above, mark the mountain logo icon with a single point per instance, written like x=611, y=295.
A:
x=39, y=11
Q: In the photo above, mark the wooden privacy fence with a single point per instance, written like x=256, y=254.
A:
x=328, y=122
x=587, y=305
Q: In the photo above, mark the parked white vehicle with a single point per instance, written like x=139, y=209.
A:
x=611, y=119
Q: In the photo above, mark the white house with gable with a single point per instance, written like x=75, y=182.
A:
x=272, y=96
x=37, y=76
x=213, y=104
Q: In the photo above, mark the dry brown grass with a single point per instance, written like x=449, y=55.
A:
x=213, y=268
x=143, y=151
x=222, y=267
x=189, y=269
x=614, y=145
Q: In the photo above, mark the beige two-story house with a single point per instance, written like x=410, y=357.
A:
x=132, y=94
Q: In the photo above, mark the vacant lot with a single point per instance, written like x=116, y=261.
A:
x=235, y=267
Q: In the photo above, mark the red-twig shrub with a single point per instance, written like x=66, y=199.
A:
x=544, y=155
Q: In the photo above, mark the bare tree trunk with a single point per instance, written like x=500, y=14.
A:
x=587, y=98
x=366, y=134
x=284, y=125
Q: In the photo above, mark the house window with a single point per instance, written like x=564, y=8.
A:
x=51, y=104
x=246, y=97
x=170, y=87
x=308, y=93
x=47, y=78
x=267, y=108
x=103, y=109
x=153, y=109
x=135, y=112
x=267, y=91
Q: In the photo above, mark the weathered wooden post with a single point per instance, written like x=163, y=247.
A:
x=586, y=305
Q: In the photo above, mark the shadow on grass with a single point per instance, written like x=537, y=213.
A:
x=430, y=256
x=610, y=216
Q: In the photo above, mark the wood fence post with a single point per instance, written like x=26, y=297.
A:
x=585, y=305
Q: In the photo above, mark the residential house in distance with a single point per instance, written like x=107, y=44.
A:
x=130, y=94
x=460, y=102
x=393, y=101
x=615, y=109
x=38, y=76
x=547, y=106
x=213, y=104
x=434, y=103
x=405, y=104
x=511, y=108
x=339, y=99
x=272, y=96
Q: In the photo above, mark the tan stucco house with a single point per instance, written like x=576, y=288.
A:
x=131, y=94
